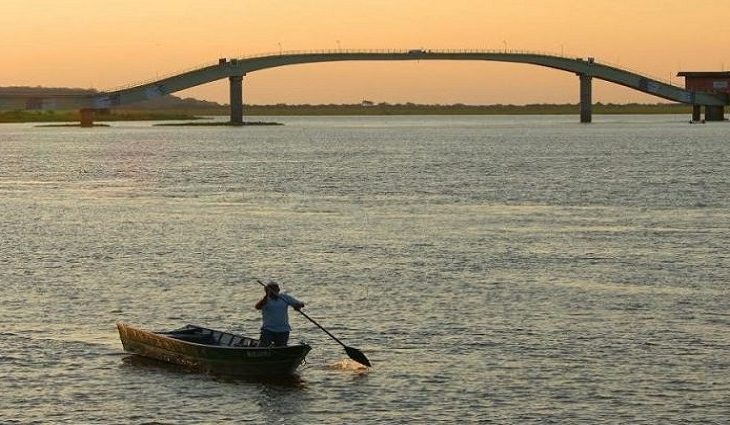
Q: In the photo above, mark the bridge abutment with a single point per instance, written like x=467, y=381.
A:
x=714, y=113
x=586, y=98
x=696, y=113
x=236, y=99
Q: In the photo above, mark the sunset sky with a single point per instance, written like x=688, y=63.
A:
x=105, y=44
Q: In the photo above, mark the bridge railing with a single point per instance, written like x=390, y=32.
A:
x=396, y=51
x=159, y=77
x=640, y=72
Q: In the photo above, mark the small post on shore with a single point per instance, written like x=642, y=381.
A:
x=87, y=117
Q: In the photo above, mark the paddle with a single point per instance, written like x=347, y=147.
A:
x=354, y=353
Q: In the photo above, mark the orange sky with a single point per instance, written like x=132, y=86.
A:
x=104, y=44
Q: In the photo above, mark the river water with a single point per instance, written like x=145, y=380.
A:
x=493, y=269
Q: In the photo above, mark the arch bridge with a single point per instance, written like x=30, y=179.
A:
x=235, y=69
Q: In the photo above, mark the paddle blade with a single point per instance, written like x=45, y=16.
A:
x=358, y=356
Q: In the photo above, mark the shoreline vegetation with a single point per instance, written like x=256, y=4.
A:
x=187, y=113
x=34, y=116
x=13, y=102
x=461, y=109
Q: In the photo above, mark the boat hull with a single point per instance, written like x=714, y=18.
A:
x=212, y=351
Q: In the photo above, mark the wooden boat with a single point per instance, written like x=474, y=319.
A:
x=213, y=351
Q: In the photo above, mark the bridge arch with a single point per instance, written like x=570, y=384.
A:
x=233, y=69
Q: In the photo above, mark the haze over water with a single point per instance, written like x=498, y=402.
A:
x=493, y=269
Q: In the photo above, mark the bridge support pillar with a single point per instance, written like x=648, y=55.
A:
x=87, y=117
x=696, y=113
x=236, y=98
x=586, y=98
x=714, y=113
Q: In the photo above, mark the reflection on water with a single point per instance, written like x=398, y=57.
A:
x=134, y=363
x=140, y=364
x=505, y=269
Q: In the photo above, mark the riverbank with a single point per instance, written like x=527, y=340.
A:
x=460, y=109
x=21, y=116
x=189, y=114
x=217, y=124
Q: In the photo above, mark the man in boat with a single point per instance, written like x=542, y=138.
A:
x=275, y=314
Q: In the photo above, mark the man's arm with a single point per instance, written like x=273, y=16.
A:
x=294, y=303
x=259, y=305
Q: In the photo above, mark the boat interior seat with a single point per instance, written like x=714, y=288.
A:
x=245, y=342
x=198, y=339
x=208, y=337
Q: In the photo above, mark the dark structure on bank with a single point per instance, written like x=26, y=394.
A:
x=708, y=82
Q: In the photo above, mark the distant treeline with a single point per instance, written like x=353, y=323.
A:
x=460, y=109
x=175, y=108
x=190, y=113
x=106, y=115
